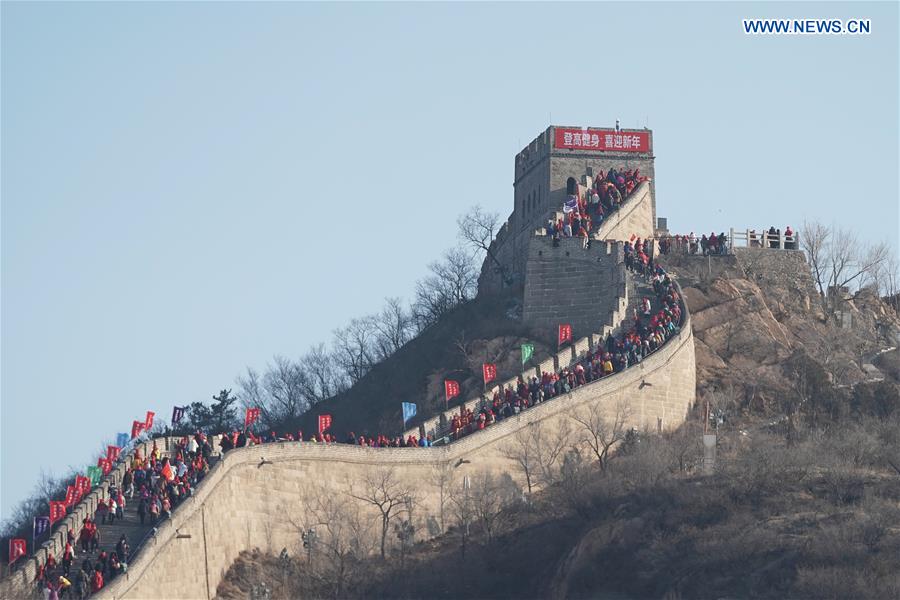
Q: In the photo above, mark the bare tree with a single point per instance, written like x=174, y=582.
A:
x=478, y=228
x=322, y=378
x=522, y=452
x=491, y=499
x=538, y=452
x=887, y=278
x=393, y=328
x=343, y=538
x=483, y=499
x=284, y=383
x=452, y=281
x=382, y=490
x=601, y=433
x=839, y=259
x=353, y=348
x=442, y=478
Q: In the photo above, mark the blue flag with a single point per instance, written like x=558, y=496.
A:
x=122, y=440
x=41, y=525
x=409, y=411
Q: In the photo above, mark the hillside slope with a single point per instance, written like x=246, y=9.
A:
x=454, y=347
x=801, y=503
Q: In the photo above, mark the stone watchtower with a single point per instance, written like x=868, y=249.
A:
x=554, y=164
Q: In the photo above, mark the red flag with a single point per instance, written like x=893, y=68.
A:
x=112, y=453
x=78, y=494
x=632, y=237
x=565, y=333
x=57, y=511
x=251, y=417
x=148, y=421
x=451, y=389
x=324, y=422
x=136, y=428
x=70, y=495
x=489, y=370
x=83, y=483
x=17, y=549
x=105, y=464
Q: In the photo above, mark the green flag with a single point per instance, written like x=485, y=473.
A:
x=95, y=473
x=527, y=352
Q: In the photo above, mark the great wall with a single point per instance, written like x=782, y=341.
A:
x=255, y=497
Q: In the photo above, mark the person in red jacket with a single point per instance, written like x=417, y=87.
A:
x=97, y=581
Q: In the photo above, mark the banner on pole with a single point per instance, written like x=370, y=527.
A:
x=17, y=549
x=251, y=417
x=57, y=511
x=41, y=525
x=489, y=371
x=565, y=333
x=177, y=414
x=409, y=411
x=324, y=422
x=451, y=389
x=527, y=352
x=122, y=440
x=94, y=473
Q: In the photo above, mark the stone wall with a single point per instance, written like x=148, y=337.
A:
x=255, y=497
x=634, y=218
x=19, y=583
x=539, y=189
x=571, y=284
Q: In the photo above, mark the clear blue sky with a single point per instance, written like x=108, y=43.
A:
x=188, y=189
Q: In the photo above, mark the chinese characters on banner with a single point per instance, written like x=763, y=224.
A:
x=565, y=333
x=603, y=140
x=136, y=428
x=324, y=422
x=451, y=390
x=251, y=417
x=177, y=414
x=148, y=421
x=489, y=370
x=57, y=511
x=83, y=483
x=16, y=550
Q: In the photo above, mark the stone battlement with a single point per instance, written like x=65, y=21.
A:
x=244, y=503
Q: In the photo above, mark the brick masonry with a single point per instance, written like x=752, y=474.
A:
x=539, y=189
x=243, y=504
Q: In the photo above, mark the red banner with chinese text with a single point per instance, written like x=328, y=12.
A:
x=251, y=417
x=112, y=453
x=565, y=333
x=489, y=371
x=451, y=389
x=57, y=511
x=602, y=140
x=324, y=422
x=17, y=549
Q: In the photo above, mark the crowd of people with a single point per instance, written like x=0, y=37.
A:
x=772, y=238
x=239, y=439
x=607, y=192
x=158, y=484
x=707, y=245
x=649, y=329
x=720, y=245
